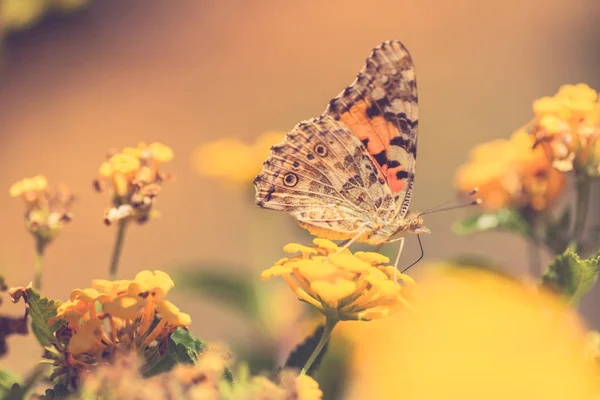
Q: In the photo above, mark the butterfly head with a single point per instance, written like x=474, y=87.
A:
x=414, y=223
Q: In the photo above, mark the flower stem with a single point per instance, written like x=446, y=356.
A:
x=535, y=263
x=40, y=245
x=581, y=209
x=114, y=262
x=329, y=325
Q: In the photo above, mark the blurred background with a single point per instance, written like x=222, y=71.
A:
x=86, y=77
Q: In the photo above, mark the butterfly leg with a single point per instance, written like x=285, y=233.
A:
x=397, y=262
x=349, y=242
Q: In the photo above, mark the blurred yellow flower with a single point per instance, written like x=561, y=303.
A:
x=567, y=127
x=476, y=335
x=511, y=173
x=233, y=160
x=37, y=184
x=21, y=14
x=130, y=306
x=46, y=209
x=342, y=285
x=135, y=180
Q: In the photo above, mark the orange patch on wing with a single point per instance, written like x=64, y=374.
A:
x=396, y=184
x=377, y=130
x=379, y=133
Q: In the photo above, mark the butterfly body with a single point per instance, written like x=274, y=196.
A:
x=348, y=174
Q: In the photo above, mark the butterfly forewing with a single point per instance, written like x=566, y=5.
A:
x=351, y=169
x=381, y=108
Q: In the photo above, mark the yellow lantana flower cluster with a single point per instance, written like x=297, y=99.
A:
x=511, y=173
x=46, y=209
x=233, y=160
x=135, y=180
x=342, y=285
x=112, y=315
x=567, y=126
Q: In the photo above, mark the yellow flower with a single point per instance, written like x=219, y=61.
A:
x=135, y=181
x=46, y=209
x=233, y=160
x=340, y=284
x=161, y=152
x=157, y=282
x=567, y=127
x=36, y=184
x=511, y=173
x=128, y=309
x=87, y=338
x=476, y=335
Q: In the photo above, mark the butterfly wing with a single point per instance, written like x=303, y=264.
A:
x=380, y=107
x=351, y=170
x=322, y=174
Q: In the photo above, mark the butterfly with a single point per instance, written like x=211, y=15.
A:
x=348, y=174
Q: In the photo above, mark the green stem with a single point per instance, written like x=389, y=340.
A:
x=581, y=209
x=329, y=325
x=40, y=245
x=114, y=262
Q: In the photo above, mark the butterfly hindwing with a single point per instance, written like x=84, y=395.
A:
x=381, y=109
x=322, y=174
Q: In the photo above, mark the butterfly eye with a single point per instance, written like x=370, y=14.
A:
x=320, y=150
x=290, y=179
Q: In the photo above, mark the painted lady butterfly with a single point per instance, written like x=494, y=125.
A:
x=349, y=173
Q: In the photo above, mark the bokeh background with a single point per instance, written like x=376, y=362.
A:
x=185, y=73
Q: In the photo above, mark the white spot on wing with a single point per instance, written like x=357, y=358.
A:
x=378, y=93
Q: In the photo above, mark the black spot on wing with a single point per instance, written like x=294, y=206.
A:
x=406, y=144
x=373, y=110
x=381, y=158
x=403, y=174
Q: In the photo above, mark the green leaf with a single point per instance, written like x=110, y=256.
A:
x=234, y=290
x=300, y=355
x=502, y=220
x=41, y=309
x=182, y=348
x=7, y=380
x=570, y=276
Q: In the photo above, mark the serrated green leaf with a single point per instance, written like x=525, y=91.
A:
x=233, y=290
x=570, y=276
x=182, y=348
x=41, y=309
x=300, y=355
x=502, y=220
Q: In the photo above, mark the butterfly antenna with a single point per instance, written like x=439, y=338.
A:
x=444, y=206
x=420, y=257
